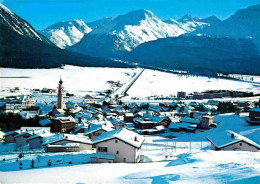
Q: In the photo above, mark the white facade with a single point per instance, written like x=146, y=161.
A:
x=123, y=151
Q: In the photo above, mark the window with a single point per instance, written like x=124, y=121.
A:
x=116, y=141
x=124, y=159
x=117, y=152
x=240, y=144
x=102, y=149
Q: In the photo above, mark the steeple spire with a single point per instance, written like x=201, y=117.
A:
x=60, y=80
x=60, y=95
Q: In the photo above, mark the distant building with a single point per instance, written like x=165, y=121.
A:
x=63, y=124
x=120, y=145
x=181, y=94
x=237, y=94
x=129, y=117
x=198, y=96
x=206, y=121
x=95, y=130
x=231, y=141
x=254, y=116
x=26, y=100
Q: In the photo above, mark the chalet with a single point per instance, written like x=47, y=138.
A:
x=26, y=100
x=122, y=144
x=254, y=116
x=197, y=115
x=9, y=136
x=35, y=141
x=129, y=117
x=67, y=143
x=63, y=124
x=94, y=130
x=21, y=139
x=231, y=141
x=206, y=121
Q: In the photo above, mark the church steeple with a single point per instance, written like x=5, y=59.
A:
x=60, y=104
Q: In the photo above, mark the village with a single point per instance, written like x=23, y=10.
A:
x=103, y=129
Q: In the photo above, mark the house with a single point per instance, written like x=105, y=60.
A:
x=67, y=143
x=206, y=121
x=94, y=130
x=9, y=136
x=181, y=94
x=231, y=141
x=26, y=100
x=197, y=115
x=21, y=139
x=129, y=117
x=63, y=124
x=35, y=141
x=123, y=144
x=254, y=116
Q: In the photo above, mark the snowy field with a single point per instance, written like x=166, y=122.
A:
x=76, y=80
x=82, y=80
x=153, y=82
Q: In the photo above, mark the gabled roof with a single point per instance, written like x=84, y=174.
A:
x=31, y=132
x=122, y=134
x=96, y=127
x=41, y=135
x=69, y=137
x=225, y=139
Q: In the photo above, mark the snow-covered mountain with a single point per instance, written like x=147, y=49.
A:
x=124, y=33
x=22, y=47
x=116, y=35
x=19, y=25
x=190, y=24
x=66, y=33
x=245, y=23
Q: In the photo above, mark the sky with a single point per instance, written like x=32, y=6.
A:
x=43, y=13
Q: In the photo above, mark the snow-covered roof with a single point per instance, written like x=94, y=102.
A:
x=224, y=139
x=174, y=125
x=122, y=134
x=69, y=137
x=67, y=145
x=44, y=122
x=96, y=127
x=31, y=132
x=190, y=120
x=41, y=134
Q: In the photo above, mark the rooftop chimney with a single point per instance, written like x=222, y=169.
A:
x=135, y=138
x=232, y=136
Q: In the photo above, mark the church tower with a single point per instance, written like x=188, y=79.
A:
x=60, y=95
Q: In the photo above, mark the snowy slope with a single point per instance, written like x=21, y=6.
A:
x=19, y=25
x=66, y=33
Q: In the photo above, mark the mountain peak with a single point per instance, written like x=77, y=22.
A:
x=186, y=17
